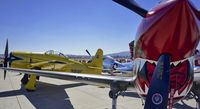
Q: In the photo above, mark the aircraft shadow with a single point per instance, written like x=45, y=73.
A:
x=49, y=97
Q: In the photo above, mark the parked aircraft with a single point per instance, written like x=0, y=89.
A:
x=166, y=41
x=55, y=61
x=51, y=61
x=110, y=64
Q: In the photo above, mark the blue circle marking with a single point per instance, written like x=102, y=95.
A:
x=157, y=98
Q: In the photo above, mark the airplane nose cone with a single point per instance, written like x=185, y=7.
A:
x=172, y=27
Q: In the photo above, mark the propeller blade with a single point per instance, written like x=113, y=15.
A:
x=6, y=58
x=88, y=52
x=132, y=5
x=157, y=97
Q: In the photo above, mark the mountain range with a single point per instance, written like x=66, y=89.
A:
x=120, y=54
x=123, y=54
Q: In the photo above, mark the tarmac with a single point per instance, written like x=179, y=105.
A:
x=63, y=94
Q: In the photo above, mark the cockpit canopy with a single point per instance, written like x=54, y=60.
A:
x=53, y=52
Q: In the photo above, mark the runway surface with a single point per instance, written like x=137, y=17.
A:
x=62, y=94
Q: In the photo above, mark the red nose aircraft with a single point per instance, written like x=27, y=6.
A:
x=164, y=48
x=171, y=29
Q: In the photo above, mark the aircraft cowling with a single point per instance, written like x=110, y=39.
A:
x=172, y=27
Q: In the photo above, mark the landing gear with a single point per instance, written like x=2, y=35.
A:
x=115, y=90
x=195, y=92
x=31, y=85
x=37, y=68
x=38, y=77
x=24, y=80
x=29, y=81
x=115, y=66
x=114, y=94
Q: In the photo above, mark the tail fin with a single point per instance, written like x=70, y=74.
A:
x=97, y=60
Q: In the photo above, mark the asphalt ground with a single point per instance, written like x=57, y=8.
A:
x=63, y=94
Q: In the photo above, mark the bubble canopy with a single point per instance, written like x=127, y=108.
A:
x=57, y=53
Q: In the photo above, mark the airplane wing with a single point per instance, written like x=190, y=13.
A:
x=98, y=80
x=197, y=73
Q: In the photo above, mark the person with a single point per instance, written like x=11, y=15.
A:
x=131, y=47
x=197, y=58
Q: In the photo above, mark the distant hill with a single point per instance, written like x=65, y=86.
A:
x=78, y=56
x=124, y=54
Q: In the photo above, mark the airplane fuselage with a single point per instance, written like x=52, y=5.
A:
x=50, y=62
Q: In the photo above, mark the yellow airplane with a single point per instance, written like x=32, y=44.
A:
x=51, y=61
x=55, y=61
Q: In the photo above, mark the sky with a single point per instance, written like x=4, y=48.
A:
x=69, y=26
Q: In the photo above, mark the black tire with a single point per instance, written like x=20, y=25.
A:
x=115, y=66
x=25, y=80
x=110, y=94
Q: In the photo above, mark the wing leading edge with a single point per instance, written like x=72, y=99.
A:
x=88, y=78
x=84, y=78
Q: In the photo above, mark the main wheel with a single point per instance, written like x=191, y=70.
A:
x=115, y=66
x=110, y=94
x=24, y=80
